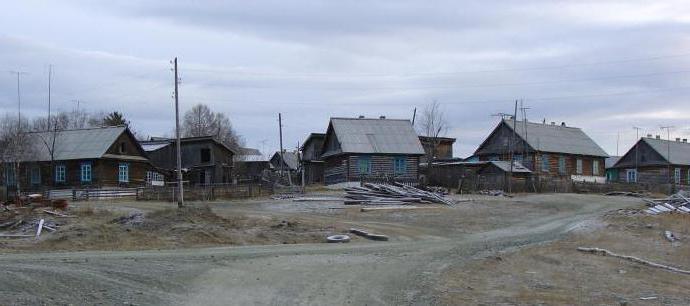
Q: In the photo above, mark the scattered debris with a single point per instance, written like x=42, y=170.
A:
x=397, y=207
x=677, y=202
x=392, y=194
x=648, y=298
x=132, y=219
x=495, y=193
x=39, y=228
x=316, y=199
x=368, y=235
x=605, y=252
x=338, y=238
x=626, y=193
x=283, y=196
x=669, y=236
x=55, y=213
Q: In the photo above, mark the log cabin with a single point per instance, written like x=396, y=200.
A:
x=360, y=148
x=81, y=158
x=659, y=161
x=548, y=150
x=311, y=158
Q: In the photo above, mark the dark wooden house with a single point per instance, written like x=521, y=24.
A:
x=311, y=158
x=250, y=164
x=205, y=160
x=290, y=161
x=356, y=148
x=655, y=161
x=546, y=149
x=82, y=158
x=438, y=148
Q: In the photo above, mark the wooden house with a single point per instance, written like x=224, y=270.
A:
x=250, y=164
x=357, y=148
x=287, y=162
x=311, y=158
x=82, y=158
x=655, y=161
x=438, y=148
x=546, y=149
x=205, y=160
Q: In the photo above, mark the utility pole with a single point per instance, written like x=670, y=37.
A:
x=180, y=193
x=19, y=99
x=668, y=154
x=414, y=115
x=512, y=148
x=524, y=129
x=280, y=134
x=637, y=148
x=50, y=78
x=618, y=140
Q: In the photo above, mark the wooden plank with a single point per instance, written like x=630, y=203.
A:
x=385, y=208
x=39, y=228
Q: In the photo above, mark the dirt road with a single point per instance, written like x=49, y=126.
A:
x=362, y=273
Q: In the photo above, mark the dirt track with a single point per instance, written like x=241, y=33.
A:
x=403, y=271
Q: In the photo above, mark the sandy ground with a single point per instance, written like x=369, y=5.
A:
x=486, y=251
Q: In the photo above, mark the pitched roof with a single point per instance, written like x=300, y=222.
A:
x=375, y=136
x=505, y=166
x=249, y=154
x=680, y=151
x=160, y=142
x=91, y=143
x=557, y=139
x=312, y=137
x=291, y=159
x=611, y=160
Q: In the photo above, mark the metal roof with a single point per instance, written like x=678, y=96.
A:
x=291, y=159
x=557, y=138
x=680, y=151
x=382, y=136
x=611, y=160
x=249, y=154
x=505, y=166
x=89, y=143
x=150, y=147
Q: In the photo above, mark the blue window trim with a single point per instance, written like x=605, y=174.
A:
x=90, y=173
x=35, y=179
x=400, y=165
x=562, y=167
x=360, y=161
x=545, y=162
x=120, y=177
x=10, y=175
x=60, y=176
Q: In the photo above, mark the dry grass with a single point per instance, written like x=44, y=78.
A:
x=193, y=226
x=556, y=274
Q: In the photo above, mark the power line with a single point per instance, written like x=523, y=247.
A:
x=572, y=64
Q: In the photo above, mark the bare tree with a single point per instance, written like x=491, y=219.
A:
x=14, y=148
x=433, y=124
x=202, y=121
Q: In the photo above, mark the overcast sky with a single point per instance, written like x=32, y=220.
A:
x=604, y=66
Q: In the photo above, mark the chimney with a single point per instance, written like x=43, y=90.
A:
x=361, y=116
x=382, y=117
x=649, y=135
x=678, y=139
x=658, y=137
x=563, y=124
x=553, y=123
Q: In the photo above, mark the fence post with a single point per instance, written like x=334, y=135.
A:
x=74, y=194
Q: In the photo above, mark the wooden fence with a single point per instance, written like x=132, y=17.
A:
x=204, y=192
x=91, y=194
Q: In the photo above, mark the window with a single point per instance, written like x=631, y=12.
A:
x=676, y=175
x=9, y=174
x=154, y=178
x=545, y=162
x=123, y=148
x=400, y=165
x=561, y=164
x=60, y=173
x=631, y=175
x=595, y=167
x=364, y=163
x=578, y=166
x=517, y=157
x=123, y=173
x=86, y=172
x=35, y=175
x=205, y=155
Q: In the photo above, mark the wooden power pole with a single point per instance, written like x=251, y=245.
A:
x=512, y=149
x=180, y=193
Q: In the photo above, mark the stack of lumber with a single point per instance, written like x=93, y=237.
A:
x=678, y=202
x=391, y=194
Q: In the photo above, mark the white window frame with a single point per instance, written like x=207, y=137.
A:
x=628, y=173
x=85, y=172
x=578, y=166
x=60, y=173
x=399, y=165
x=545, y=163
x=595, y=167
x=562, y=165
x=123, y=173
x=676, y=175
